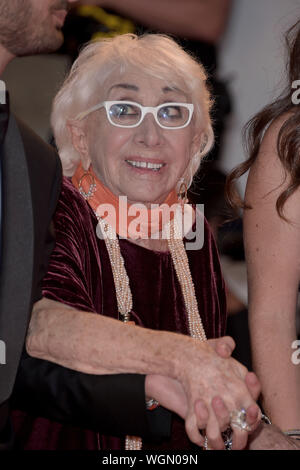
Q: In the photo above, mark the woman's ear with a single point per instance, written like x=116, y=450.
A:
x=204, y=142
x=199, y=142
x=79, y=141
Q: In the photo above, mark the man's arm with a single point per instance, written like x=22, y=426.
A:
x=113, y=404
x=269, y=437
x=194, y=19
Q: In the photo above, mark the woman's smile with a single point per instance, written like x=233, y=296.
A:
x=142, y=165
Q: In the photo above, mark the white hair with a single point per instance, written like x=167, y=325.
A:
x=153, y=54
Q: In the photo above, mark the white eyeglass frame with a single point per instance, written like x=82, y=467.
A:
x=144, y=110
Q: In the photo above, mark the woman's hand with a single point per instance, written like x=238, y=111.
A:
x=253, y=415
x=171, y=394
x=215, y=386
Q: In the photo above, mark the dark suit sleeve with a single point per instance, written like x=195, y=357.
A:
x=6, y=433
x=45, y=174
x=111, y=404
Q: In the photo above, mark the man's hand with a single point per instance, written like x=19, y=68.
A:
x=270, y=437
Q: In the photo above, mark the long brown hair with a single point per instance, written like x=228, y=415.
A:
x=288, y=142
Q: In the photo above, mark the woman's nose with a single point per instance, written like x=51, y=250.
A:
x=149, y=132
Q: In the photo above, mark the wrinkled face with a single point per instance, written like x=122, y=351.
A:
x=116, y=153
x=32, y=26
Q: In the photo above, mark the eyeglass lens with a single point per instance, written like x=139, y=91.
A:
x=127, y=114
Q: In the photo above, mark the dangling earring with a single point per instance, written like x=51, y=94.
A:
x=182, y=194
x=92, y=187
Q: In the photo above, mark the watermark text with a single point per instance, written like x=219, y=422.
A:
x=138, y=221
x=296, y=354
x=2, y=352
x=2, y=92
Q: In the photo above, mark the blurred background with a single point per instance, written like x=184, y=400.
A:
x=241, y=44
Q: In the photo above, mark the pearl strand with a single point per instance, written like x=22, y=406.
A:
x=124, y=296
x=121, y=280
x=181, y=264
x=133, y=443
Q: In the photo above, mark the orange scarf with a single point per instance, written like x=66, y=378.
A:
x=128, y=220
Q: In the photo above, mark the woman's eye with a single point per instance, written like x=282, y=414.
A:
x=123, y=110
x=170, y=112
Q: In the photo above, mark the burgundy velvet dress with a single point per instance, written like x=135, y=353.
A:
x=80, y=275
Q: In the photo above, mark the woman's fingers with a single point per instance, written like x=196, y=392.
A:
x=239, y=438
x=253, y=416
x=223, y=346
x=201, y=413
x=221, y=412
x=192, y=429
x=213, y=433
x=253, y=385
x=214, y=421
x=218, y=419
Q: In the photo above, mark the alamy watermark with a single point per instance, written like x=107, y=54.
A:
x=296, y=94
x=2, y=92
x=296, y=354
x=2, y=352
x=136, y=221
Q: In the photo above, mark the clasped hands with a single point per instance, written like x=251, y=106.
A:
x=208, y=387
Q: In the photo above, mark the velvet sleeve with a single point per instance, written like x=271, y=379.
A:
x=75, y=265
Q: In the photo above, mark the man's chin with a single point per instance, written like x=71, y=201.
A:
x=49, y=44
x=58, y=39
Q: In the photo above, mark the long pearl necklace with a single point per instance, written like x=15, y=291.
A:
x=123, y=292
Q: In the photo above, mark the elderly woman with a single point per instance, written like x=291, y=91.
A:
x=132, y=123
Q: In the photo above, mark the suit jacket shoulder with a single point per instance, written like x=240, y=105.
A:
x=31, y=184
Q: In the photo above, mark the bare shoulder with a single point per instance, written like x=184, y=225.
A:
x=268, y=176
x=268, y=147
